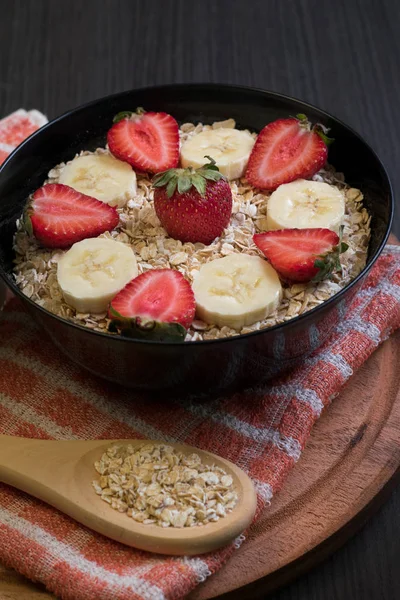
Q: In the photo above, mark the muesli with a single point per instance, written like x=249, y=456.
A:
x=196, y=233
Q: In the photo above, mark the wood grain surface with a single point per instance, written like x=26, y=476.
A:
x=343, y=55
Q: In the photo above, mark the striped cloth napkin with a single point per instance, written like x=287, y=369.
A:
x=263, y=430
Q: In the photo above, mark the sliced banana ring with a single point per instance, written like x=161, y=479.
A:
x=236, y=291
x=302, y=204
x=93, y=271
x=101, y=176
x=230, y=148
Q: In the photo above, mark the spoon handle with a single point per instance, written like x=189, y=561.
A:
x=34, y=465
x=24, y=462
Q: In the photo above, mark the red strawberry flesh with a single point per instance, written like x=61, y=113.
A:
x=149, y=142
x=161, y=295
x=293, y=252
x=61, y=216
x=285, y=151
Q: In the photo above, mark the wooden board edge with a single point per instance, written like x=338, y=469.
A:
x=258, y=589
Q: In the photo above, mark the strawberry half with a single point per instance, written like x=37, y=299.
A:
x=147, y=141
x=285, y=150
x=193, y=205
x=302, y=254
x=60, y=216
x=157, y=305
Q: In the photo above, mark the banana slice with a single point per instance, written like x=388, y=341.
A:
x=93, y=271
x=230, y=148
x=101, y=176
x=236, y=290
x=303, y=204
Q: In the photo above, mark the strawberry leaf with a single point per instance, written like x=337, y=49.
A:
x=303, y=121
x=171, y=186
x=319, y=129
x=320, y=264
x=322, y=131
x=125, y=114
x=184, y=183
x=163, y=178
x=167, y=178
x=211, y=175
x=212, y=165
x=128, y=114
x=184, y=179
x=199, y=183
x=145, y=329
x=27, y=222
x=329, y=263
x=210, y=170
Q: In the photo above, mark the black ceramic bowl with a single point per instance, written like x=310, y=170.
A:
x=210, y=366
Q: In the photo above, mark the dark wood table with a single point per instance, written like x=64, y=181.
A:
x=342, y=55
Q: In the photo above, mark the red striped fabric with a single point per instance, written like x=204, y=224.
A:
x=16, y=127
x=263, y=430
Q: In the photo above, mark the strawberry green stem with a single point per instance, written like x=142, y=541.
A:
x=127, y=114
x=145, y=329
x=183, y=179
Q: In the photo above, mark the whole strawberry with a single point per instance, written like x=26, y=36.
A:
x=193, y=205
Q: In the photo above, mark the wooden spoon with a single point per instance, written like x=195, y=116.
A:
x=61, y=474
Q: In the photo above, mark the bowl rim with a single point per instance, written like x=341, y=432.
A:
x=225, y=87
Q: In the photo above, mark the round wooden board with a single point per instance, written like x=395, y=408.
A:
x=341, y=478
x=351, y=456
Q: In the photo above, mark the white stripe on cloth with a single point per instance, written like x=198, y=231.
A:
x=33, y=418
x=391, y=249
x=59, y=551
x=7, y=148
x=366, y=328
x=260, y=435
x=37, y=118
x=264, y=490
x=339, y=362
x=392, y=289
x=200, y=567
x=305, y=395
x=336, y=360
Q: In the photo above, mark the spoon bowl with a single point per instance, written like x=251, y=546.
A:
x=61, y=473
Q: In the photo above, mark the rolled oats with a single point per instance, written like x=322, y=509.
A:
x=36, y=269
x=154, y=484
